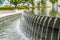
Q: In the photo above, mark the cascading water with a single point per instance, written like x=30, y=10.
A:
x=39, y=23
x=53, y=29
x=24, y=32
x=59, y=33
x=34, y=24
x=47, y=28
x=43, y=28
x=38, y=20
x=37, y=26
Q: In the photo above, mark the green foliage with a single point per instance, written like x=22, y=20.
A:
x=53, y=1
x=31, y=1
x=15, y=2
x=12, y=8
x=22, y=7
x=1, y=1
x=24, y=1
x=6, y=8
x=43, y=1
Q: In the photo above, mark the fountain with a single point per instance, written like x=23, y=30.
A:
x=53, y=29
x=47, y=28
x=43, y=27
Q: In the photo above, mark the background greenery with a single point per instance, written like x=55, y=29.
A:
x=16, y=2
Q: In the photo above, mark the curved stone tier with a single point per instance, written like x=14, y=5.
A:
x=35, y=19
x=43, y=27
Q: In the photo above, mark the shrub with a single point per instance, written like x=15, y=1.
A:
x=6, y=8
x=22, y=7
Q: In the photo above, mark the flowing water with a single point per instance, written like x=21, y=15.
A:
x=13, y=29
x=39, y=25
x=45, y=23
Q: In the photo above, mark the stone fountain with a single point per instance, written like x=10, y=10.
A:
x=43, y=27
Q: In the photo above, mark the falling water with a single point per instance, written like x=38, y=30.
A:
x=59, y=33
x=28, y=21
x=33, y=18
x=34, y=24
x=47, y=28
x=39, y=27
x=43, y=28
x=32, y=21
x=37, y=24
x=21, y=33
x=29, y=18
x=53, y=28
x=29, y=27
x=39, y=31
x=39, y=18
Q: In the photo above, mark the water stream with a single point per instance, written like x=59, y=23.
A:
x=38, y=26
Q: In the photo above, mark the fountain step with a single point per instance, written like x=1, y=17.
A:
x=44, y=28
x=34, y=20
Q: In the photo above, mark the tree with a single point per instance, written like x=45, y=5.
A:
x=15, y=2
x=43, y=2
x=32, y=2
x=1, y=1
x=53, y=1
x=24, y=1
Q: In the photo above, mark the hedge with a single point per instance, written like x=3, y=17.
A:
x=6, y=8
x=21, y=7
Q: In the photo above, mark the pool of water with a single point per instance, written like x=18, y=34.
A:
x=12, y=29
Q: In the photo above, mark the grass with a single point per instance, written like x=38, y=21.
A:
x=21, y=7
x=6, y=8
